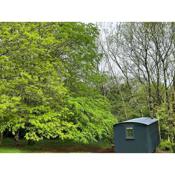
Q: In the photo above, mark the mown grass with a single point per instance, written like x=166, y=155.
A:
x=52, y=146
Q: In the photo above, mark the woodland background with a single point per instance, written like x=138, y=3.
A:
x=70, y=82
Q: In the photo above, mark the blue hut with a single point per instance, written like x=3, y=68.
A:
x=139, y=135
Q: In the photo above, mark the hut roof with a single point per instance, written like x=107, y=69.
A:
x=142, y=120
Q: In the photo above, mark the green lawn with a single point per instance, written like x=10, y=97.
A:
x=11, y=150
x=52, y=146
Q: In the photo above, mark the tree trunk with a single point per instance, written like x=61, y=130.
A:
x=1, y=137
x=30, y=142
x=166, y=90
x=173, y=95
x=17, y=138
x=150, y=103
x=158, y=86
x=150, y=100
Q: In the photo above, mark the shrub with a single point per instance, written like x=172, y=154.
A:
x=166, y=146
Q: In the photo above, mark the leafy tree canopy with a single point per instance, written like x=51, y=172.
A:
x=49, y=82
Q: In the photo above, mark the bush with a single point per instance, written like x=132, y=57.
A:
x=166, y=146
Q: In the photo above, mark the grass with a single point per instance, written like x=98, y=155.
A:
x=53, y=146
x=11, y=150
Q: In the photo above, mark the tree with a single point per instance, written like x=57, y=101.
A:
x=143, y=53
x=44, y=66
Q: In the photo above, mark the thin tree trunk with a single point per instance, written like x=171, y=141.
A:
x=167, y=102
x=150, y=103
x=150, y=100
x=30, y=142
x=173, y=95
x=121, y=94
x=166, y=90
x=158, y=86
x=1, y=137
x=17, y=138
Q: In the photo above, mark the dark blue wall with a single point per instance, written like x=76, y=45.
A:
x=154, y=137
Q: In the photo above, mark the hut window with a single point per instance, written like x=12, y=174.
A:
x=129, y=133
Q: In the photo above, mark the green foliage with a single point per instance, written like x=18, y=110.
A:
x=93, y=118
x=49, y=82
x=166, y=146
x=166, y=123
x=126, y=100
x=163, y=119
x=8, y=111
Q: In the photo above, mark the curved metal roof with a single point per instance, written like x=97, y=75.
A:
x=142, y=120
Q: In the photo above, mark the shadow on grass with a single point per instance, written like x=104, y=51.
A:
x=53, y=146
